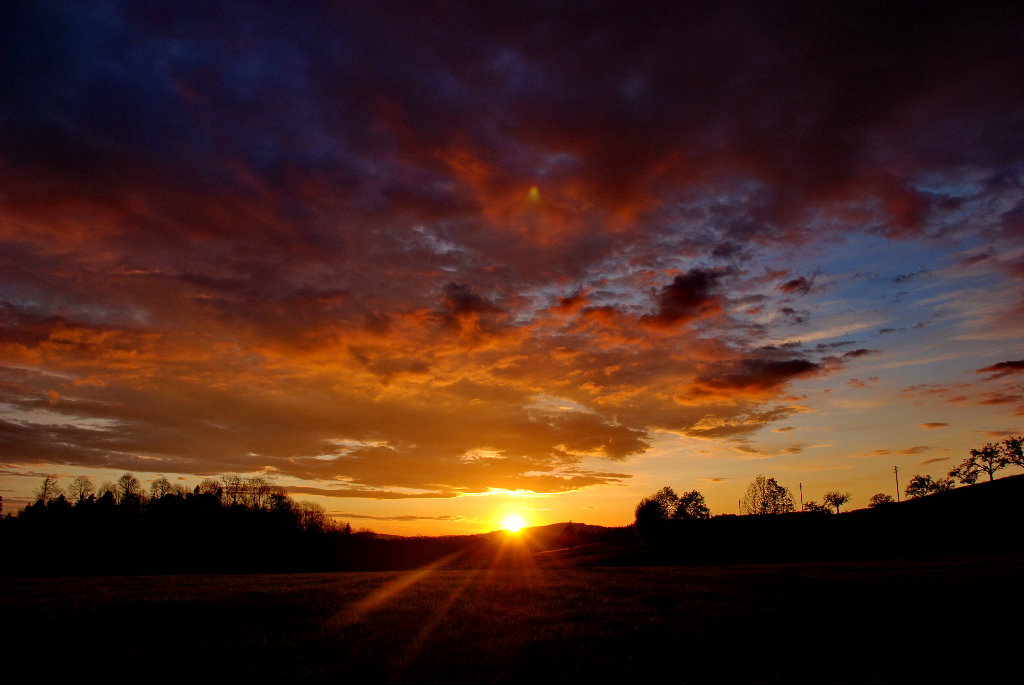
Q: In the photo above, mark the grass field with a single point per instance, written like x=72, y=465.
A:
x=885, y=621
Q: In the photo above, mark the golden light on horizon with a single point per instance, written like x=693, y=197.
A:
x=513, y=523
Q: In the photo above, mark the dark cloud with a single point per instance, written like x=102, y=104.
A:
x=1001, y=369
x=690, y=296
x=859, y=352
x=904, y=278
x=794, y=317
x=463, y=309
x=757, y=374
x=797, y=286
x=933, y=424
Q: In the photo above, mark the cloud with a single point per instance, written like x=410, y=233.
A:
x=365, y=493
x=1002, y=369
x=933, y=424
x=860, y=352
x=401, y=517
x=797, y=286
x=1000, y=398
x=755, y=374
x=331, y=245
x=690, y=296
x=905, y=451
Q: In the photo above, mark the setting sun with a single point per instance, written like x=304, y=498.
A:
x=513, y=523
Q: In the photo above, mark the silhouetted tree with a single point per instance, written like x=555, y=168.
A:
x=766, y=496
x=1012, y=450
x=160, y=487
x=814, y=507
x=988, y=459
x=648, y=510
x=129, y=489
x=233, y=488
x=667, y=500
x=80, y=488
x=48, y=490
x=59, y=506
x=920, y=486
x=691, y=505
x=879, y=499
x=210, y=486
x=836, y=499
x=312, y=516
x=569, y=537
x=649, y=519
x=257, y=491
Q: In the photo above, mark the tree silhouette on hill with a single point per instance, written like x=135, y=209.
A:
x=766, y=496
x=919, y=486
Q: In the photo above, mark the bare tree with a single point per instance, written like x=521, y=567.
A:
x=160, y=487
x=48, y=490
x=210, y=486
x=311, y=516
x=836, y=499
x=129, y=489
x=233, y=488
x=766, y=496
x=257, y=491
x=80, y=488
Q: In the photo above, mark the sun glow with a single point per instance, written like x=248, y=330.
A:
x=513, y=523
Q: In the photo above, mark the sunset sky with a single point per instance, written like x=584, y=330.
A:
x=429, y=264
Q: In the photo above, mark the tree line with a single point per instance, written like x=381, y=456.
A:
x=765, y=495
x=231, y=523
x=252, y=494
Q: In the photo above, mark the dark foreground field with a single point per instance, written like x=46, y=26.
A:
x=881, y=621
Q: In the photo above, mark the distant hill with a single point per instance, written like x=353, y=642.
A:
x=976, y=519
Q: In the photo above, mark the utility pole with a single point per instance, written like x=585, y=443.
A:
x=896, y=470
x=801, y=496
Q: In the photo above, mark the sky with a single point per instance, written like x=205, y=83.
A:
x=431, y=263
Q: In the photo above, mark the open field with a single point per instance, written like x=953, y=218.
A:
x=881, y=621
